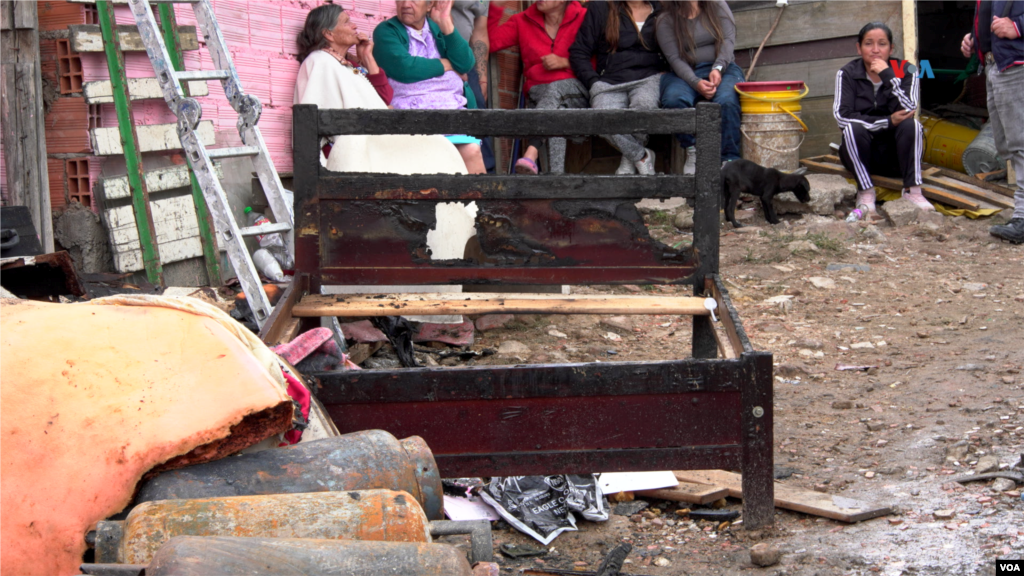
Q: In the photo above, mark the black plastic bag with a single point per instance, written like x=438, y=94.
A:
x=399, y=332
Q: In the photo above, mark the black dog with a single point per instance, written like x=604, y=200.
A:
x=746, y=177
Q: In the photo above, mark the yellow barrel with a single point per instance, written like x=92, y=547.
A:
x=945, y=142
x=771, y=126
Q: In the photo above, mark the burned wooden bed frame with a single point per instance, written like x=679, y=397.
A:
x=713, y=410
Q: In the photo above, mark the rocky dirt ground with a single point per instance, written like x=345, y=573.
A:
x=936, y=306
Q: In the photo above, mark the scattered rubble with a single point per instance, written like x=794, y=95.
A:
x=764, y=555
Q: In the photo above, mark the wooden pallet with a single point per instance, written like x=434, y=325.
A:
x=940, y=185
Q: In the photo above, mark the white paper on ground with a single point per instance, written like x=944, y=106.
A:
x=612, y=482
x=463, y=509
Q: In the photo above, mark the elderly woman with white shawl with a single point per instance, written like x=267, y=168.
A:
x=330, y=78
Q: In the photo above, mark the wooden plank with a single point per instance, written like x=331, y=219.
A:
x=990, y=176
x=6, y=15
x=730, y=317
x=290, y=331
x=933, y=192
x=908, y=17
x=971, y=191
x=502, y=187
x=518, y=123
x=819, y=75
x=25, y=16
x=159, y=180
x=21, y=118
x=486, y=303
x=100, y=91
x=725, y=348
x=152, y=138
x=690, y=492
x=814, y=21
x=841, y=47
x=973, y=181
x=88, y=38
x=738, y=5
x=277, y=325
x=817, y=503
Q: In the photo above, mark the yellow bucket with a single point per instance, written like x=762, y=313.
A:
x=771, y=126
x=766, y=98
x=945, y=142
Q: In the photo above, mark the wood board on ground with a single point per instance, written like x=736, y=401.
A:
x=807, y=501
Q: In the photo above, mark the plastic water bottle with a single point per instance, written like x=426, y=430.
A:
x=273, y=243
x=858, y=213
x=266, y=263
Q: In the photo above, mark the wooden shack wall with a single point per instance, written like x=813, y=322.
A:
x=812, y=41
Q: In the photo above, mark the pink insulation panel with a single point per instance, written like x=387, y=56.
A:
x=261, y=38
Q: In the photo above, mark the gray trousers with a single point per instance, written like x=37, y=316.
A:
x=637, y=95
x=561, y=94
x=1006, y=114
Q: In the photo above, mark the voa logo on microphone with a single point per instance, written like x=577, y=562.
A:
x=1007, y=567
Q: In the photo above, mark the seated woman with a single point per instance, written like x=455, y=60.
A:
x=427, y=61
x=330, y=79
x=621, y=36
x=697, y=38
x=543, y=33
x=875, y=111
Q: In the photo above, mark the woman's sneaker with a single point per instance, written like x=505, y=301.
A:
x=526, y=166
x=917, y=199
x=645, y=166
x=690, y=164
x=866, y=198
x=626, y=167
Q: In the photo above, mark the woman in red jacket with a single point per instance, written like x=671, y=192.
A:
x=543, y=33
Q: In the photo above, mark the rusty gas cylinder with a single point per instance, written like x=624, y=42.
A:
x=382, y=515
x=196, y=556
x=367, y=460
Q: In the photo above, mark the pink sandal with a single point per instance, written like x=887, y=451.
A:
x=526, y=166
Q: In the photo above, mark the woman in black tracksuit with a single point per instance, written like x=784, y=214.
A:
x=875, y=111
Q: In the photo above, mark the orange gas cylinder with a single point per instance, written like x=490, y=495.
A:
x=367, y=460
x=357, y=515
x=193, y=556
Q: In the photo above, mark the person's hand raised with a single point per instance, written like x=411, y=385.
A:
x=441, y=13
x=364, y=47
x=877, y=66
x=364, y=53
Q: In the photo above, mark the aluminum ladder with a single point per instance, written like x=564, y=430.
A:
x=189, y=112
